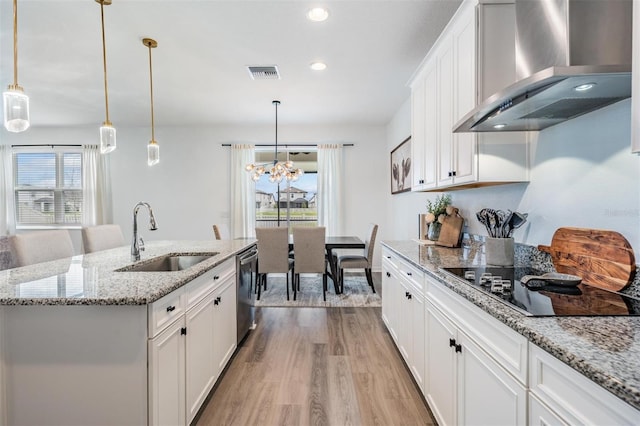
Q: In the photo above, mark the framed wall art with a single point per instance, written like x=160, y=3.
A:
x=401, y=167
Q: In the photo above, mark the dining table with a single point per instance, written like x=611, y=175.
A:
x=335, y=243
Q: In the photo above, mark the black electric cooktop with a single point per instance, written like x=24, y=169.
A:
x=541, y=299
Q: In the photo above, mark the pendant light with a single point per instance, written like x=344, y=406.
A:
x=107, y=131
x=16, y=103
x=279, y=170
x=153, y=149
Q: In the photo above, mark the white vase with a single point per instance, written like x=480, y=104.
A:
x=498, y=251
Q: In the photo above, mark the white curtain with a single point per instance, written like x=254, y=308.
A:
x=96, y=187
x=243, y=193
x=330, y=202
x=7, y=211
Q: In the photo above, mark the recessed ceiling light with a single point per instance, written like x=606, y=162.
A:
x=584, y=87
x=318, y=14
x=499, y=126
x=318, y=66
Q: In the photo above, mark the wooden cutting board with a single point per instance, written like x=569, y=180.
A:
x=450, y=231
x=601, y=258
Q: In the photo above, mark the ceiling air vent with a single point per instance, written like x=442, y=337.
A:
x=269, y=72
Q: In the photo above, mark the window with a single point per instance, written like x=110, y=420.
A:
x=48, y=187
x=290, y=202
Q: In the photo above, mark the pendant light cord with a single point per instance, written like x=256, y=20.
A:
x=104, y=63
x=153, y=138
x=15, y=43
x=276, y=103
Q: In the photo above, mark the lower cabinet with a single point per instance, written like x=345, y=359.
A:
x=403, y=311
x=187, y=357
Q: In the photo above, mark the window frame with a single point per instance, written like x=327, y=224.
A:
x=57, y=190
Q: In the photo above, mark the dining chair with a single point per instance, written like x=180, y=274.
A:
x=273, y=255
x=101, y=237
x=309, y=256
x=41, y=246
x=363, y=260
x=221, y=231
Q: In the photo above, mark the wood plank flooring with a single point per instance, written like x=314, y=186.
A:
x=316, y=366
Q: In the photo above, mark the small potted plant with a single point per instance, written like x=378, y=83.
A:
x=437, y=212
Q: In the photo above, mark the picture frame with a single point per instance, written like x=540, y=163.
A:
x=401, y=167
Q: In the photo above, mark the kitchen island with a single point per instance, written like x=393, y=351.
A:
x=82, y=343
x=605, y=351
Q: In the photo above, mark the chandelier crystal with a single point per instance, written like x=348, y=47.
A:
x=16, y=103
x=278, y=170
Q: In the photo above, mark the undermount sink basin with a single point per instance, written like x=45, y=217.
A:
x=168, y=263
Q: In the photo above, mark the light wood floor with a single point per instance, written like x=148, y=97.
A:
x=317, y=366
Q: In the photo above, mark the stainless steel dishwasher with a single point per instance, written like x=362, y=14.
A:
x=246, y=270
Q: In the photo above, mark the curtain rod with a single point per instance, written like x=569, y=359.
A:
x=46, y=144
x=290, y=145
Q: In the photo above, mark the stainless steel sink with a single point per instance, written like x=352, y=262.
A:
x=168, y=263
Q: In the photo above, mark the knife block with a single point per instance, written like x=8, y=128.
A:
x=498, y=251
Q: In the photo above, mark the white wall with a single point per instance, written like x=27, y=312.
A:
x=582, y=174
x=189, y=189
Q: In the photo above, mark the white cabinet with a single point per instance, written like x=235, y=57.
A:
x=635, y=81
x=465, y=65
x=476, y=366
x=225, y=334
x=187, y=352
x=403, y=311
x=565, y=396
x=167, y=376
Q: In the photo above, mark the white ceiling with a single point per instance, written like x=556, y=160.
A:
x=199, y=67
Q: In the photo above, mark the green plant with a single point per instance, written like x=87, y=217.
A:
x=439, y=206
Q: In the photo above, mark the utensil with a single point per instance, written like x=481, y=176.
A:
x=554, y=278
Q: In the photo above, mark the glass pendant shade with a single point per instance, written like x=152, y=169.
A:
x=107, y=138
x=16, y=109
x=153, y=153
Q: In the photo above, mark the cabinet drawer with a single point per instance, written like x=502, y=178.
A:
x=575, y=398
x=390, y=259
x=412, y=274
x=164, y=311
x=502, y=343
x=197, y=289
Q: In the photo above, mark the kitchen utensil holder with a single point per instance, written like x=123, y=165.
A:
x=499, y=251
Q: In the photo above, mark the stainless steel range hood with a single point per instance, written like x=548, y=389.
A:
x=572, y=57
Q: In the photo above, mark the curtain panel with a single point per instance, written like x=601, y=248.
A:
x=330, y=193
x=243, y=193
x=96, y=187
x=7, y=197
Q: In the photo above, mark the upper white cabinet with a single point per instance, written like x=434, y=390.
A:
x=635, y=81
x=473, y=58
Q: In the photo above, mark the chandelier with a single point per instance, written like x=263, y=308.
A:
x=279, y=170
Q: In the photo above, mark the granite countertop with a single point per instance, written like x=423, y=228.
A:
x=91, y=279
x=604, y=349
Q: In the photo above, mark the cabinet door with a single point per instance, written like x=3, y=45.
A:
x=167, y=376
x=390, y=299
x=405, y=327
x=441, y=369
x=418, y=117
x=486, y=394
x=417, y=355
x=201, y=372
x=541, y=415
x=225, y=324
x=445, y=55
x=465, y=94
x=431, y=125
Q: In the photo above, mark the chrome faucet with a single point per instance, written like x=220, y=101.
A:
x=138, y=245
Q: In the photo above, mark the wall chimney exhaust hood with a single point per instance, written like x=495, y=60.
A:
x=572, y=57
